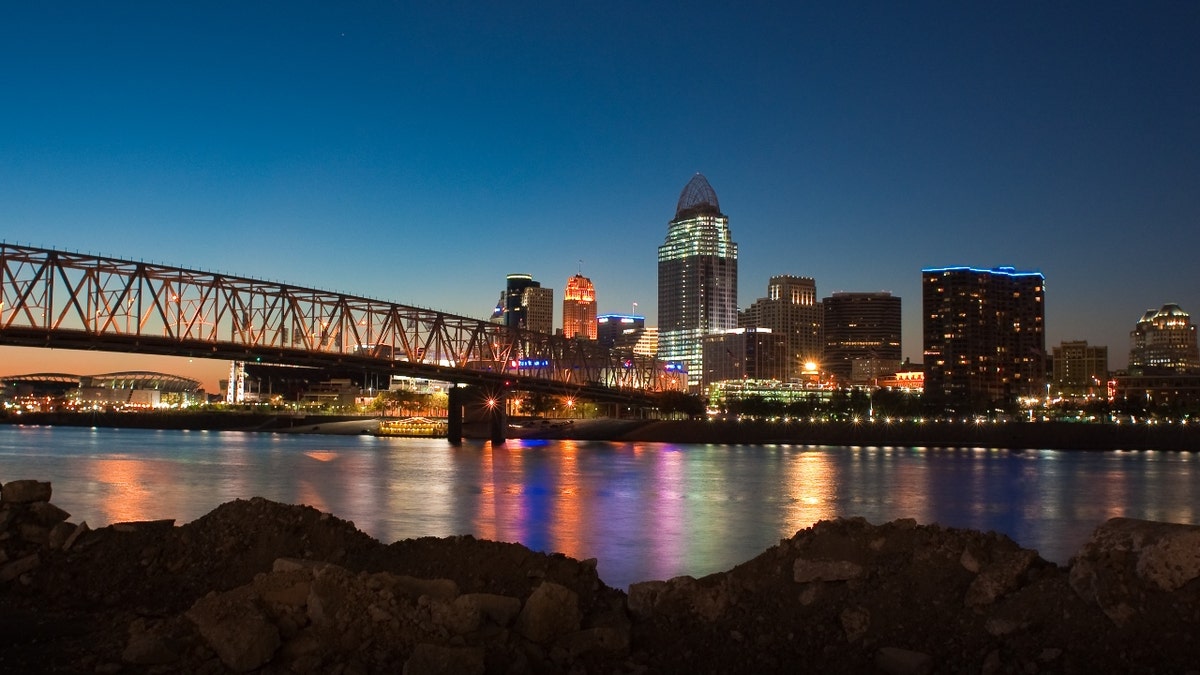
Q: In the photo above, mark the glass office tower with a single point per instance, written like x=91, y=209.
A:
x=697, y=278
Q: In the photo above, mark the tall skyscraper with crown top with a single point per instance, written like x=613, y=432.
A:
x=697, y=278
x=579, y=308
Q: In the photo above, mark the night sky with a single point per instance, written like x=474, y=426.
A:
x=419, y=152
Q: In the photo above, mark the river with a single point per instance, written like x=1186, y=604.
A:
x=644, y=510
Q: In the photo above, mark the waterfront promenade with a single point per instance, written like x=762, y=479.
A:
x=1004, y=435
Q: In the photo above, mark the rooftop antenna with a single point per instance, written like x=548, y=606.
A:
x=580, y=268
x=635, y=309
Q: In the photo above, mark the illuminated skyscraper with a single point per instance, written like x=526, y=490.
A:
x=985, y=342
x=1164, y=341
x=862, y=335
x=538, y=303
x=579, y=308
x=697, y=278
x=790, y=310
x=527, y=305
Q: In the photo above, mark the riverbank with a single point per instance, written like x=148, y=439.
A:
x=198, y=420
x=258, y=586
x=1009, y=435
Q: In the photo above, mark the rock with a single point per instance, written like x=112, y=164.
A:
x=898, y=661
x=20, y=566
x=706, y=599
x=1049, y=654
x=47, y=514
x=80, y=530
x=809, y=595
x=148, y=649
x=969, y=562
x=291, y=612
x=236, y=630
x=997, y=626
x=610, y=639
x=430, y=659
x=34, y=533
x=551, y=611
x=328, y=594
x=290, y=589
x=855, y=622
x=459, y=616
x=644, y=596
x=1001, y=576
x=991, y=663
x=500, y=609
x=441, y=589
x=59, y=534
x=1172, y=559
x=144, y=525
x=1126, y=558
x=296, y=564
x=25, y=492
x=804, y=571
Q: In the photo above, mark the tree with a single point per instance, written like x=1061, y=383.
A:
x=681, y=402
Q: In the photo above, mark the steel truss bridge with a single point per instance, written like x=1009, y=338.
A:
x=57, y=299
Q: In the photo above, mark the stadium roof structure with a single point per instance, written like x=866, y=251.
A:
x=132, y=379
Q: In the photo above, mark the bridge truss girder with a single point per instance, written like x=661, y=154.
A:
x=51, y=298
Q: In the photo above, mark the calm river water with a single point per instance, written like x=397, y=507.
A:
x=645, y=510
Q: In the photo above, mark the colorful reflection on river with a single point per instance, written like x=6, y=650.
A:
x=644, y=510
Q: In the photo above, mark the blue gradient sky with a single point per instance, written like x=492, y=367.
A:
x=419, y=152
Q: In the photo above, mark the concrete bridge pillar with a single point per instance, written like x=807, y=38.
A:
x=477, y=407
x=498, y=422
x=454, y=414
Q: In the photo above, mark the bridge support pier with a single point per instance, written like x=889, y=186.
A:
x=498, y=421
x=454, y=415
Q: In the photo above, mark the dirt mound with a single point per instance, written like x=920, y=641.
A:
x=257, y=586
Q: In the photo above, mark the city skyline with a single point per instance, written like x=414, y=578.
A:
x=418, y=155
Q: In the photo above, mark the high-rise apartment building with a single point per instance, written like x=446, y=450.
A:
x=579, y=308
x=697, y=278
x=1164, y=341
x=792, y=312
x=1079, y=368
x=527, y=305
x=862, y=336
x=984, y=335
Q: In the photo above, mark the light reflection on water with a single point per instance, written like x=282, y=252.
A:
x=645, y=510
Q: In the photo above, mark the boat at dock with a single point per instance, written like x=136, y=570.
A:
x=418, y=427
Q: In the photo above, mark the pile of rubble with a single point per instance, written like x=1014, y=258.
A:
x=257, y=586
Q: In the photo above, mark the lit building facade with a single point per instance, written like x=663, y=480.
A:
x=790, y=310
x=862, y=336
x=538, y=305
x=1164, y=341
x=1080, y=369
x=744, y=354
x=984, y=334
x=526, y=305
x=579, y=308
x=614, y=328
x=697, y=278
x=644, y=343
